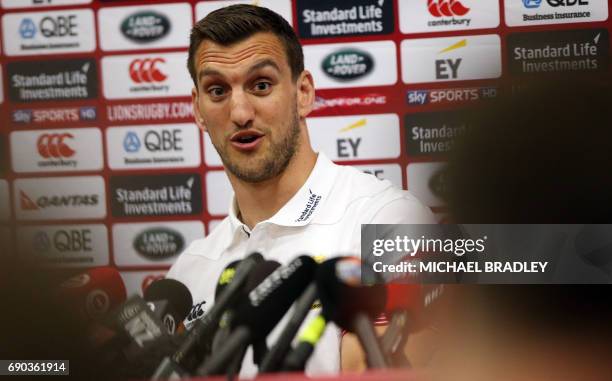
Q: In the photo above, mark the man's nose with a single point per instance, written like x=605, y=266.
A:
x=242, y=111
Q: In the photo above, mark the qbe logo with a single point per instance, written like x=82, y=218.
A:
x=55, y=80
x=352, y=64
x=144, y=27
x=585, y=50
x=59, y=198
x=282, y=7
x=422, y=16
x=540, y=12
x=76, y=149
x=9, y=4
x=158, y=243
x=157, y=195
x=146, y=76
x=451, y=59
x=320, y=18
x=356, y=137
x=65, y=245
x=160, y=146
x=48, y=32
x=433, y=134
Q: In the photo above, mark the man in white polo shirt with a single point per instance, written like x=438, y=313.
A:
x=252, y=96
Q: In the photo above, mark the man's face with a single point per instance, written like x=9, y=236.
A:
x=247, y=102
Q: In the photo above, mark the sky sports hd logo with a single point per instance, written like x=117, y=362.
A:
x=584, y=50
x=49, y=32
x=449, y=96
x=421, y=16
x=54, y=115
x=321, y=18
x=540, y=12
x=451, y=58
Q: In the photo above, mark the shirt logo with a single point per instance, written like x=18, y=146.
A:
x=311, y=205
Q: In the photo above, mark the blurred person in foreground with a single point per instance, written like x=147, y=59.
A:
x=539, y=155
x=251, y=96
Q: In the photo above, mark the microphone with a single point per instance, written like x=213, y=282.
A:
x=271, y=361
x=201, y=333
x=93, y=293
x=263, y=270
x=170, y=300
x=296, y=360
x=262, y=309
x=351, y=304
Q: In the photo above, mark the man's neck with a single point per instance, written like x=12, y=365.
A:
x=257, y=202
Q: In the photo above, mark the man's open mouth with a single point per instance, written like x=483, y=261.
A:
x=246, y=139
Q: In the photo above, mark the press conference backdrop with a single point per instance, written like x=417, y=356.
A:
x=105, y=166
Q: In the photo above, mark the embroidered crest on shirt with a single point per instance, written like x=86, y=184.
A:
x=311, y=205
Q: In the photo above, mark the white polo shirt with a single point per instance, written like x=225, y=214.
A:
x=323, y=219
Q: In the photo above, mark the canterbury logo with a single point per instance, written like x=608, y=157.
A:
x=442, y=8
x=26, y=202
x=146, y=70
x=54, y=146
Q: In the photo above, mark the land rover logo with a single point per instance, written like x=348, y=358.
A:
x=347, y=64
x=158, y=243
x=145, y=26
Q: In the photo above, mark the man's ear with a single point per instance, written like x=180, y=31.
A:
x=305, y=94
x=196, y=110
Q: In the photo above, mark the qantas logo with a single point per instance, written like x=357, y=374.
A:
x=146, y=70
x=54, y=146
x=446, y=8
x=26, y=202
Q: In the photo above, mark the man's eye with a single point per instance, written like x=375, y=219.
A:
x=262, y=86
x=216, y=92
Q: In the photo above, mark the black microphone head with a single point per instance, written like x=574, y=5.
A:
x=173, y=291
x=264, y=306
x=259, y=274
x=343, y=293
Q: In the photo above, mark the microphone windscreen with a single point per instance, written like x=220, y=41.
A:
x=343, y=294
x=227, y=275
x=265, y=305
x=402, y=296
x=173, y=291
x=93, y=293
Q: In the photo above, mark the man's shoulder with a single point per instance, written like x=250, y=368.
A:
x=203, y=250
x=373, y=197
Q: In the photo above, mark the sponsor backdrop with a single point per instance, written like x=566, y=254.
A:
x=103, y=165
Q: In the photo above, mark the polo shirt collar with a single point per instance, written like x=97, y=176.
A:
x=304, y=205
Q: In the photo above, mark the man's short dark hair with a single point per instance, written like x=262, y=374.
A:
x=235, y=23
